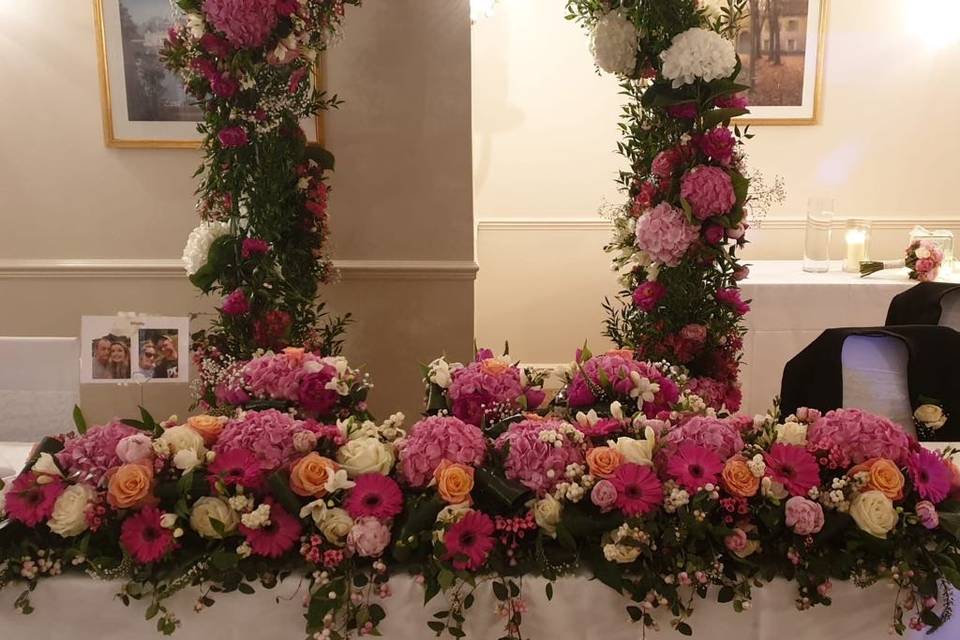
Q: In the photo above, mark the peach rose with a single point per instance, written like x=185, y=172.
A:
x=454, y=481
x=294, y=355
x=130, y=485
x=309, y=475
x=603, y=461
x=626, y=354
x=885, y=477
x=737, y=478
x=207, y=426
x=494, y=366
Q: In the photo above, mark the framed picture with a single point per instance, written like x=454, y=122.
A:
x=781, y=45
x=133, y=348
x=144, y=104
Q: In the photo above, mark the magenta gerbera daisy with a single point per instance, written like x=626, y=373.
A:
x=638, y=489
x=469, y=541
x=274, y=539
x=794, y=467
x=375, y=496
x=930, y=475
x=694, y=466
x=30, y=502
x=235, y=467
x=143, y=538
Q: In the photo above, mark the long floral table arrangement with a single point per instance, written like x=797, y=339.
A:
x=625, y=475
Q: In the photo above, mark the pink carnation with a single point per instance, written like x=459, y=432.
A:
x=664, y=234
x=87, y=458
x=718, y=144
x=232, y=137
x=708, y=190
x=246, y=23
x=434, y=439
x=685, y=111
x=254, y=247
x=268, y=434
x=30, y=502
x=852, y=436
x=645, y=197
x=719, y=436
x=732, y=101
x=533, y=462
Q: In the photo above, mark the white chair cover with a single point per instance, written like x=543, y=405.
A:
x=875, y=378
x=39, y=385
x=950, y=310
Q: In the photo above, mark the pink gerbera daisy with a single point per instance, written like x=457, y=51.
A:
x=931, y=476
x=638, y=489
x=30, y=502
x=375, y=496
x=274, y=539
x=143, y=538
x=236, y=467
x=694, y=466
x=469, y=541
x=794, y=467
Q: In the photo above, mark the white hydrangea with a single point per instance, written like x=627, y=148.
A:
x=198, y=244
x=698, y=53
x=613, y=43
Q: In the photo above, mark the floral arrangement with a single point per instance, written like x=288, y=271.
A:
x=261, y=243
x=923, y=257
x=688, y=192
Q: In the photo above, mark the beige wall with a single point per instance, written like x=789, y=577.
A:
x=545, y=128
x=402, y=201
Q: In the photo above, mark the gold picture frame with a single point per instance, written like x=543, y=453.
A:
x=119, y=130
x=810, y=109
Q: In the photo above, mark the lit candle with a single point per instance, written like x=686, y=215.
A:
x=856, y=250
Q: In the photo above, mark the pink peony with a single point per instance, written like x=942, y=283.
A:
x=278, y=537
x=232, y=137
x=804, y=516
x=852, y=436
x=533, y=462
x=434, y=439
x=604, y=495
x=708, y=190
x=87, y=458
x=246, y=23
x=924, y=265
x=134, y=448
x=714, y=393
x=236, y=304
x=719, y=436
x=253, y=247
x=927, y=514
x=930, y=474
x=469, y=541
x=368, y=538
x=648, y=295
x=665, y=163
x=143, y=538
x=235, y=467
x=718, y=144
x=268, y=434
x=731, y=298
x=30, y=502
x=664, y=234
x=793, y=467
x=694, y=466
x=374, y=496
x=638, y=490
x=485, y=389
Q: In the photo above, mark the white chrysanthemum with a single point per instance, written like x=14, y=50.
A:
x=198, y=244
x=614, y=44
x=698, y=53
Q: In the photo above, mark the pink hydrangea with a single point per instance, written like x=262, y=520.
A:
x=664, y=234
x=718, y=144
x=715, y=393
x=484, y=389
x=719, y=436
x=87, y=458
x=246, y=23
x=437, y=438
x=709, y=191
x=268, y=434
x=294, y=376
x=532, y=461
x=617, y=367
x=852, y=436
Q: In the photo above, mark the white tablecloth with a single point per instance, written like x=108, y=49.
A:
x=790, y=308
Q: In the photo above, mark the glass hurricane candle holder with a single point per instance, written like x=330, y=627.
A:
x=857, y=241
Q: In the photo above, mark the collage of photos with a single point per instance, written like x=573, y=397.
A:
x=120, y=349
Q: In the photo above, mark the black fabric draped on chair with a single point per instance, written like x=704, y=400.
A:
x=920, y=304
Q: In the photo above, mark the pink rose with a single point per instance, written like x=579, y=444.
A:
x=135, y=448
x=648, y=294
x=925, y=265
x=604, y=495
x=737, y=542
x=236, y=303
x=927, y=513
x=804, y=516
x=368, y=537
x=741, y=273
x=714, y=234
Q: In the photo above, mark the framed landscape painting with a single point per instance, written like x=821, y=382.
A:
x=144, y=104
x=781, y=45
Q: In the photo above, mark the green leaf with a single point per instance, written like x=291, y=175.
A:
x=321, y=156
x=725, y=595
x=717, y=116
x=500, y=591
x=152, y=610
x=684, y=629
x=741, y=185
x=204, y=278
x=438, y=627
x=549, y=591
x=224, y=560
x=506, y=491
x=245, y=588
x=79, y=420
x=952, y=575
x=635, y=613
x=446, y=579
x=950, y=522
x=280, y=489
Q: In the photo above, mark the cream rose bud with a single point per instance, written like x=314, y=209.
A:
x=922, y=253
x=930, y=415
x=183, y=438
x=792, y=433
x=366, y=455
x=207, y=509
x=70, y=510
x=874, y=513
x=336, y=524
x=635, y=451
x=46, y=466
x=547, y=513
x=620, y=553
x=185, y=460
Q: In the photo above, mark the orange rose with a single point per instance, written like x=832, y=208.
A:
x=494, y=366
x=884, y=476
x=603, y=461
x=308, y=477
x=454, y=481
x=627, y=354
x=737, y=478
x=207, y=426
x=130, y=486
x=294, y=355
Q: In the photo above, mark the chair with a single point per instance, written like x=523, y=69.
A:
x=39, y=386
x=875, y=377
x=926, y=303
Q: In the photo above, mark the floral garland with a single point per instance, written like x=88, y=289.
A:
x=675, y=240
x=653, y=494
x=263, y=191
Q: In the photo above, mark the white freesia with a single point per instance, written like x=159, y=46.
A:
x=772, y=489
x=792, y=433
x=440, y=373
x=713, y=8
x=46, y=469
x=450, y=514
x=547, y=512
x=316, y=510
x=633, y=450
x=207, y=509
x=198, y=244
x=257, y=518
x=643, y=390
x=698, y=54
x=587, y=420
x=874, y=513
x=616, y=410
x=337, y=481
x=366, y=455
x=620, y=553
x=336, y=525
x=168, y=520
x=70, y=511
x=614, y=43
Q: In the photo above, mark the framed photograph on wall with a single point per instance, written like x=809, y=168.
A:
x=781, y=46
x=144, y=104
x=134, y=348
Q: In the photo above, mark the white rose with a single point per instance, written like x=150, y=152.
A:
x=792, y=433
x=928, y=414
x=185, y=460
x=183, y=438
x=366, y=455
x=874, y=513
x=208, y=508
x=547, y=514
x=70, y=511
x=620, y=553
x=336, y=525
x=922, y=253
x=632, y=450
